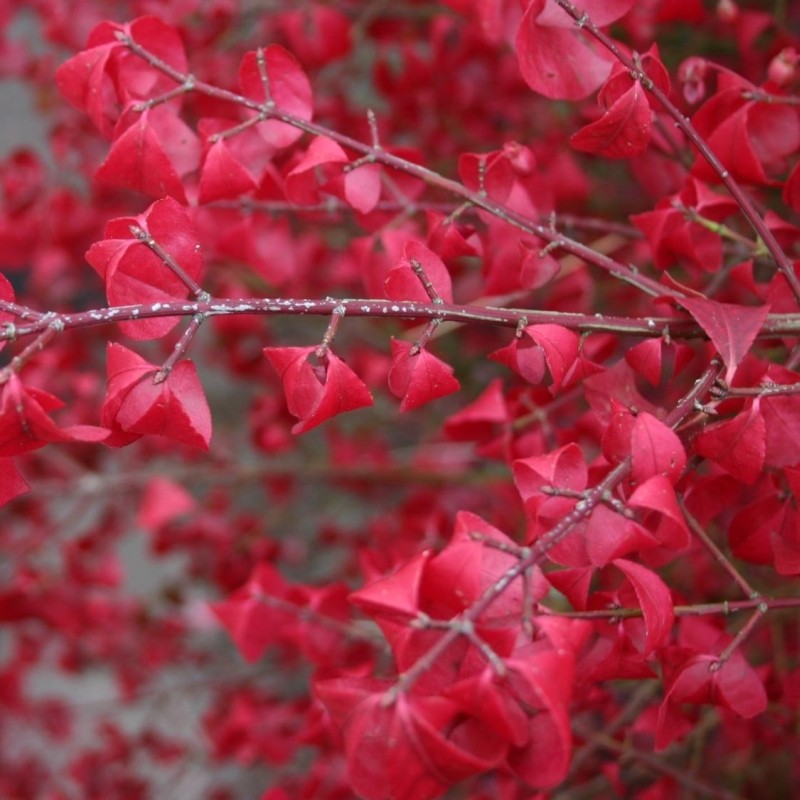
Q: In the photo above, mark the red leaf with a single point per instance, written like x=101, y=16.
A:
x=735, y=686
x=12, y=484
x=538, y=267
x=752, y=139
x=564, y=468
x=175, y=408
x=135, y=275
x=561, y=349
x=544, y=681
x=362, y=187
x=247, y=615
x=402, y=283
x=616, y=441
x=609, y=536
x=559, y=61
x=7, y=296
x=84, y=83
x=488, y=172
x=732, y=328
x=163, y=501
x=25, y=424
x=323, y=160
x=140, y=160
x=782, y=421
x=316, y=392
x=479, y=419
x=622, y=132
x=525, y=357
x=415, y=748
x=466, y=568
x=655, y=450
x=620, y=79
x=223, y=176
x=751, y=529
x=137, y=79
x=395, y=597
x=107, y=75
x=288, y=86
x=655, y=601
x=316, y=33
x=791, y=189
x=420, y=377
x=658, y=495
x=738, y=445
x=653, y=358
x=489, y=699
x=574, y=583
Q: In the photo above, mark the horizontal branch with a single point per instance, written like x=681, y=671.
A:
x=724, y=607
x=676, y=328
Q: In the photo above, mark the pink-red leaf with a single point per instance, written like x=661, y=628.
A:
x=655, y=601
x=622, y=132
x=561, y=348
x=733, y=685
x=655, y=449
x=544, y=681
x=732, y=328
x=403, y=283
x=323, y=160
x=251, y=621
x=317, y=391
x=12, y=484
x=176, y=408
x=657, y=494
x=84, y=83
x=738, y=445
x=362, y=187
x=564, y=468
x=487, y=172
x=135, y=405
x=134, y=274
x=6, y=296
x=273, y=74
x=395, y=597
x=140, y=157
x=163, y=501
x=417, y=378
x=25, y=424
x=557, y=60
x=223, y=176
x=415, y=748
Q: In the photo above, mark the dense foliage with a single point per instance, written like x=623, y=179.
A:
x=493, y=310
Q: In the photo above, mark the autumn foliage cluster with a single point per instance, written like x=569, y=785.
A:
x=401, y=400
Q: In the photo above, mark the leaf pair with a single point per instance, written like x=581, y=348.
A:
x=25, y=424
x=542, y=348
x=136, y=404
x=317, y=387
x=136, y=275
x=325, y=165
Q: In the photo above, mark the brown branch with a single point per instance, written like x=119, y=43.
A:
x=647, y=327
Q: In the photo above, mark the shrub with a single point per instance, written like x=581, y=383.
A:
x=493, y=310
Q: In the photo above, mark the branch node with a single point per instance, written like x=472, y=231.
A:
x=373, y=129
